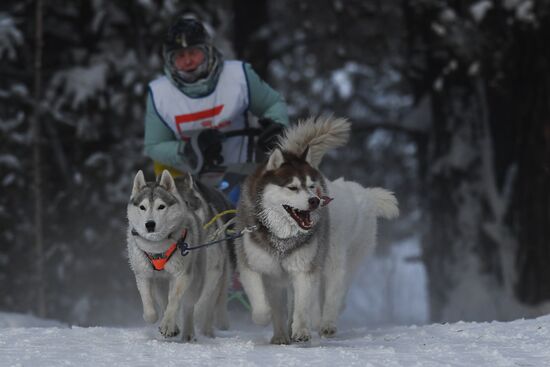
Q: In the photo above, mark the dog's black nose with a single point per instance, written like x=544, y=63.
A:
x=313, y=203
x=150, y=225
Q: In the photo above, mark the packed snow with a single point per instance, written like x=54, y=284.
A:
x=30, y=342
x=389, y=289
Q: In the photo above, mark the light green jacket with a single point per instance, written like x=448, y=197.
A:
x=162, y=145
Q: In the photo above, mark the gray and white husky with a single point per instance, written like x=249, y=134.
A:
x=310, y=233
x=159, y=214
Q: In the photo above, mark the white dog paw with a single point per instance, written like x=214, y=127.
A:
x=150, y=316
x=169, y=329
x=262, y=317
x=280, y=340
x=301, y=336
x=328, y=330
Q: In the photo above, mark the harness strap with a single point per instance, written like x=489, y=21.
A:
x=159, y=260
x=250, y=133
x=185, y=248
x=217, y=216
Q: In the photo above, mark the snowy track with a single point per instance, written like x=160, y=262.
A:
x=517, y=343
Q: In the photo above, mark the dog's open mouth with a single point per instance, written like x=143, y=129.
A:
x=300, y=216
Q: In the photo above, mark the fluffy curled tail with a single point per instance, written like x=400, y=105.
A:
x=383, y=201
x=320, y=134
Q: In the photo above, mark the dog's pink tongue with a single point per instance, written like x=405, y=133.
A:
x=326, y=200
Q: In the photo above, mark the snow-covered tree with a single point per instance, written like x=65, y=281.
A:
x=487, y=189
x=97, y=60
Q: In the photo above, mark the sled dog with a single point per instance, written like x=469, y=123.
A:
x=159, y=214
x=310, y=233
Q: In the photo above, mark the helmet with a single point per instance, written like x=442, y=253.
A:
x=189, y=32
x=185, y=32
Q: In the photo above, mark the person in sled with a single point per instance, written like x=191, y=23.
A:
x=197, y=112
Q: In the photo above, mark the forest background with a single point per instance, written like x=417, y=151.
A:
x=450, y=105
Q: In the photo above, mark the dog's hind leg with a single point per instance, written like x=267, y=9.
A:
x=316, y=307
x=188, y=334
x=207, y=302
x=289, y=308
x=222, y=318
x=335, y=281
x=144, y=286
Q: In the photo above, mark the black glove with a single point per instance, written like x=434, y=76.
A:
x=269, y=136
x=210, y=145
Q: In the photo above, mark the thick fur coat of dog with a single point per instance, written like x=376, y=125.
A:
x=159, y=213
x=310, y=233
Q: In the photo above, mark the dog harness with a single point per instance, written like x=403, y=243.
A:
x=159, y=260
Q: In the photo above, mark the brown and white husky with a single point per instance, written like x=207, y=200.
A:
x=310, y=233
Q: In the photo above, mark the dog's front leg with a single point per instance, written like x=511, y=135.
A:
x=277, y=301
x=255, y=290
x=304, y=287
x=144, y=285
x=178, y=285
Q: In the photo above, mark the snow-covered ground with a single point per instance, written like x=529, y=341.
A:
x=516, y=343
x=389, y=289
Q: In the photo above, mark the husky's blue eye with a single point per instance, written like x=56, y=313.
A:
x=161, y=207
x=142, y=207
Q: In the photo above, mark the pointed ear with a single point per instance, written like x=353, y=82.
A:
x=167, y=182
x=188, y=179
x=139, y=182
x=306, y=156
x=275, y=161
